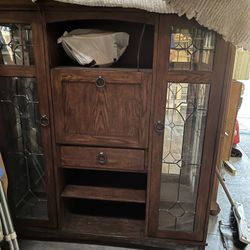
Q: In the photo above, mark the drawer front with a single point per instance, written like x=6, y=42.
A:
x=102, y=158
x=101, y=108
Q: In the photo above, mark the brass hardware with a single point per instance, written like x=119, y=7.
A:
x=100, y=82
x=102, y=158
x=159, y=127
x=44, y=120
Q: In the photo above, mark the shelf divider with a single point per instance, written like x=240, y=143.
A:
x=104, y=193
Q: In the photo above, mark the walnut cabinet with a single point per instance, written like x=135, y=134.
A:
x=117, y=155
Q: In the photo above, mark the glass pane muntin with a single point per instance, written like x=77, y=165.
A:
x=16, y=46
x=185, y=119
x=192, y=49
x=22, y=147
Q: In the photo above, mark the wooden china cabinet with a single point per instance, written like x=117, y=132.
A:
x=119, y=155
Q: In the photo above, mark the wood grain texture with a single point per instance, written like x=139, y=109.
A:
x=86, y=157
x=21, y=71
x=104, y=193
x=229, y=125
x=16, y=2
x=222, y=77
x=216, y=79
x=38, y=72
x=85, y=13
x=158, y=114
x=44, y=109
x=189, y=76
x=117, y=227
x=226, y=139
x=10, y=15
x=132, y=239
x=116, y=114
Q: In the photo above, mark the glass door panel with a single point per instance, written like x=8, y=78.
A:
x=184, y=128
x=16, y=46
x=192, y=49
x=22, y=147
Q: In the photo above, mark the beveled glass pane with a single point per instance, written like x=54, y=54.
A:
x=185, y=118
x=22, y=147
x=192, y=49
x=16, y=46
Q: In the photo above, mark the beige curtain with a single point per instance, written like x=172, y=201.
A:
x=230, y=18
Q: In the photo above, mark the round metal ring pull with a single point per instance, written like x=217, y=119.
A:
x=159, y=127
x=102, y=158
x=100, y=82
x=44, y=120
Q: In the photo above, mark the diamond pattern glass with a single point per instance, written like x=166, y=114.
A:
x=192, y=49
x=22, y=147
x=185, y=118
x=16, y=46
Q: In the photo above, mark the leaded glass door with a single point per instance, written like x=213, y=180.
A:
x=184, y=127
x=187, y=98
x=25, y=127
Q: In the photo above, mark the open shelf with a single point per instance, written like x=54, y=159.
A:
x=118, y=227
x=108, y=179
x=103, y=208
x=139, y=53
x=104, y=193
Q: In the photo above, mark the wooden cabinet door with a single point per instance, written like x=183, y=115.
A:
x=185, y=130
x=97, y=107
x=25, y=127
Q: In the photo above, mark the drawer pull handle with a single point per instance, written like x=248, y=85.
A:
x=44, y=121
x=100, y=82
x=159, y=127
x=102, y=158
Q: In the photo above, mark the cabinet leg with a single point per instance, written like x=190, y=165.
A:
x=214, y=208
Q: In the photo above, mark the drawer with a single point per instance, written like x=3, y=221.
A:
x=102, y=158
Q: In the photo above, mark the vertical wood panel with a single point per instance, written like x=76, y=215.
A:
x=42, y=87
x=218, y=95
x=218, y=80
x=159, y=90
x=116, y=114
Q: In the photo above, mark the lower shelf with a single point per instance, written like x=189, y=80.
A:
x=104, y=193
x=108, y=209
x=104, y=226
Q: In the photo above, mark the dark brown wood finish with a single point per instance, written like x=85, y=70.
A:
x=113, y=115
x=102, y=158
x=42, y=88
x=112, y=14
x=18, y=3
x=228, y=54
x=189, y=76
x=134, y=240
x=216, y=80
x=22, y=71
x=104, y=193
x=115, y=227
x=211, y=136
x=158, y=112
x=18, y=16
x=116, y=121
x=37, y=71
